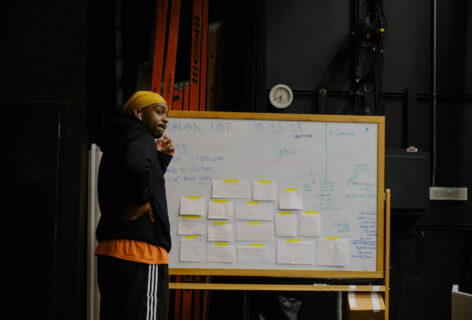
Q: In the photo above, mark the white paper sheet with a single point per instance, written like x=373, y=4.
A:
x=220, y=209
x=191, y=249
x=290, y=199
x=221, y=252
x=191, y=225
x=333, y=252
x=220, y=231
x=264, y=190
x=286, y=224
x=192, y=206
x=310, y=224
x=230, y=189
x=254, y=231
x=256, y=252
x=295, y=251
x=255, y=210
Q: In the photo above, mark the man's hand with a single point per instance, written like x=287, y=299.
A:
x=165, y=145
x=131, y=211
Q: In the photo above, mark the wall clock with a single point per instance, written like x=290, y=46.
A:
x=281, y=96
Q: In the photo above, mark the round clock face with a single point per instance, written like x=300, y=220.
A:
x=280, y=96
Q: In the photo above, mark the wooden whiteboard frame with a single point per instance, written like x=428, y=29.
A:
x=286, y=273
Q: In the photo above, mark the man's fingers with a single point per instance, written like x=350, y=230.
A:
x=164, y=144
x=169, y=145
x=167, y=141
x=160, y=145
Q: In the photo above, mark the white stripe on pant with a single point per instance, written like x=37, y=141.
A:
x=153, y=282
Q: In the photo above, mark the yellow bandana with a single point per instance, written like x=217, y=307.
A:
x=141, y=99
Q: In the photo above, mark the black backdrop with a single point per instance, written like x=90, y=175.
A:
x=68, y=52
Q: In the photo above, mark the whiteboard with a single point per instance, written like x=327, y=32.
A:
x=334, y=163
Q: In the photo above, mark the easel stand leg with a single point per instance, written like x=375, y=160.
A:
x=387, y=253
x=339, y=303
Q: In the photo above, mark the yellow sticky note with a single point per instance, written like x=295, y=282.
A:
x=290, y=190
x=254, y=223
x=221, y=244
x=190, y=237
x=311, y=212
x=194, y=197
x=286, y=213
x=220, y=201
x=252, y=202
x=231, y=180
x=293, y=240
x=191, y=217
x=264, y=181
x=220, y=223
x=257, y=245
x=332, y=238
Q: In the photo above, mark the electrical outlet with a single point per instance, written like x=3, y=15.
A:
x=448, y=194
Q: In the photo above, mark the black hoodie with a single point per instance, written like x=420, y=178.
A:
x=131, y=169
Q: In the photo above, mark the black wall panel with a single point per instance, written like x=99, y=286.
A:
x=454, y=46
x=44, y=60
x=302, y=37
x=394, y=126
x=419, y=276
x=408, y=44
x=454, y=129
x=66, y=51
x=307, y=46
x=30, y=197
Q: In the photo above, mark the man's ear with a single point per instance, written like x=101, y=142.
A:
x=137, y=114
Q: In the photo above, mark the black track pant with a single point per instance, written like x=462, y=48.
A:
x=131, y=290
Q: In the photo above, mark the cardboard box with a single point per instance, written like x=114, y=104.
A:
x=365, y=306
x=461, y=304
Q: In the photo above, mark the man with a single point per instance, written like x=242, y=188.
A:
x=133, y=231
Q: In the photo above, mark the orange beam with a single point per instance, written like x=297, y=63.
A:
x=177, y=100
x=187, y=301
x=186, y=98
x=171, y=56
x=196, y=301
x=196, y=54
x=167, y=307
x=177, y=305
x=159, y=46
x=203, y=65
